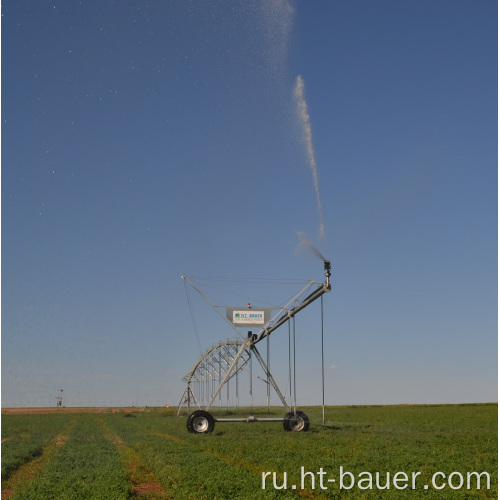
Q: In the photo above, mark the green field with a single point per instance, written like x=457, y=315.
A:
x=150, y=454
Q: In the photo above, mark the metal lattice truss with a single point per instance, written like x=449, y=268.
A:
x=225, y=360
x=216, y=367
x=214, y=364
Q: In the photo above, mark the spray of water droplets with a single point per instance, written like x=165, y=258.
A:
x=305, y=123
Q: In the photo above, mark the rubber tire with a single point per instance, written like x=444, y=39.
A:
x=296, y=422
x=200, y=422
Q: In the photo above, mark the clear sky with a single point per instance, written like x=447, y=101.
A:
x=146, y=140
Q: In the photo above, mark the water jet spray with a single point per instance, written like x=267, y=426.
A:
x=305, y=122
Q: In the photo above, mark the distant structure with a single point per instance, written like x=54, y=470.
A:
x=59, y=399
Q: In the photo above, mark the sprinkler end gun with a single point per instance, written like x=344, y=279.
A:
x=328, y=273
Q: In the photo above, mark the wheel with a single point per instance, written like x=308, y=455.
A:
x=296, y=422
x=200, y=422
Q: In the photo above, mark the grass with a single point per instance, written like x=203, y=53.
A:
x=150, y=454
x=25, y=436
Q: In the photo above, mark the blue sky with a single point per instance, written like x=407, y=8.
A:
x=142, y=141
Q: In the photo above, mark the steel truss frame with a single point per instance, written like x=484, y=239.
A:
x=223, y=361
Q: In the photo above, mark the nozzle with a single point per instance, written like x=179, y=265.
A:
x=328, y=272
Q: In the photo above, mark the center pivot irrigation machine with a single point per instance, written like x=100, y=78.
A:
x=225, y=360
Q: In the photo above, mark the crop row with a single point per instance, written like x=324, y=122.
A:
x=84, y=465
x=25, y=436
x=423, y=439
x=150, y=454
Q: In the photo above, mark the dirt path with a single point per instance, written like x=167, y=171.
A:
x=143, y=481
x=71, y=409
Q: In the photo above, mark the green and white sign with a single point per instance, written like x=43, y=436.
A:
x=248, y=316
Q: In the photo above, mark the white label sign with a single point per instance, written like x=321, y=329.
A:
x=249, y=317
